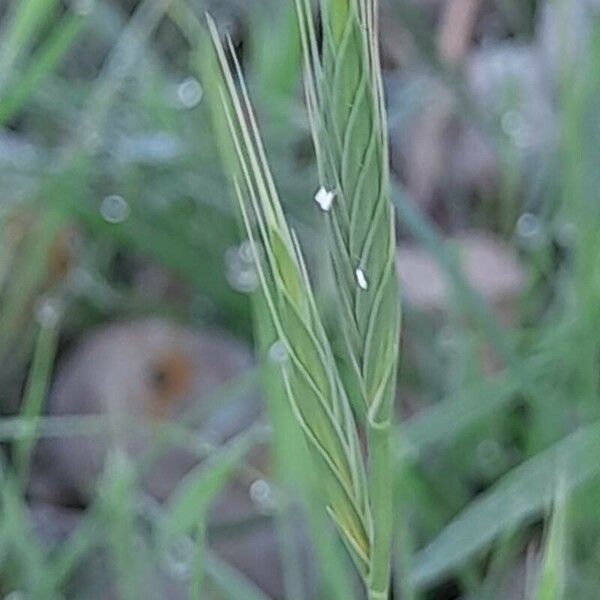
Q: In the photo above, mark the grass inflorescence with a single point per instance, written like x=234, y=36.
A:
x=349, y=130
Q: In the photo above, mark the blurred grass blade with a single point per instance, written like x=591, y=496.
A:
x=35, y=393
x=67, y=556
x=122, y=61
x=276, y=60
x=21, y=25
x=552, y=582
x=520, y=496
x=445, y=421
x=31, y=270
x=187, y=510
x=232, y=584
x=199, y=488
x=118, y=485
x=474, y=305
x=41, y=64
x=17, y=539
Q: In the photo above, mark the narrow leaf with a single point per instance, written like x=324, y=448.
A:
x=520, y=496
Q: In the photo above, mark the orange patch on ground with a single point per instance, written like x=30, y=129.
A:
x=171, y=379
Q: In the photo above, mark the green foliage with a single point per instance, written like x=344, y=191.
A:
x=552, y=580
x=346, y=107
x=313, y=383
x=520, y=496
x=480, y=457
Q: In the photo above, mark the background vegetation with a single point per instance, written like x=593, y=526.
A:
x=111, y=165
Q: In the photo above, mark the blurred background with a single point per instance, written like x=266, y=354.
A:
x=146, y=446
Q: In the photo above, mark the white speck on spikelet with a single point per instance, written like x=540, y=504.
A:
x=325, y=198
x=361, y=279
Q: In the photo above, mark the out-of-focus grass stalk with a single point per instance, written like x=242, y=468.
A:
x=27, y=276
x=37, y=385
x=346, y=107
x=42, y=64
x=552, y=579
x=122, y=60
x=21, y=25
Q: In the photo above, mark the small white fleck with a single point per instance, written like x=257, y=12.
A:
x=114, y=209
x=325, y=198
x=190, y=92
x=178, y=557
x=515, y=127
x=48, y=312
x=278, y=352
x=262, y=495
x=244, y=281
x=361, y=279
x=241, y=272
x=528, y=226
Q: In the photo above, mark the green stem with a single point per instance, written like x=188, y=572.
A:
x=381, y=496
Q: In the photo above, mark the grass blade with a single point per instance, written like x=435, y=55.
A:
x=42, y=64
x=200, y=487
x=520, y=496
x=22, y=24
x=446, y=420
x=552, y=581
x=232, y=584
x=37, y=386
